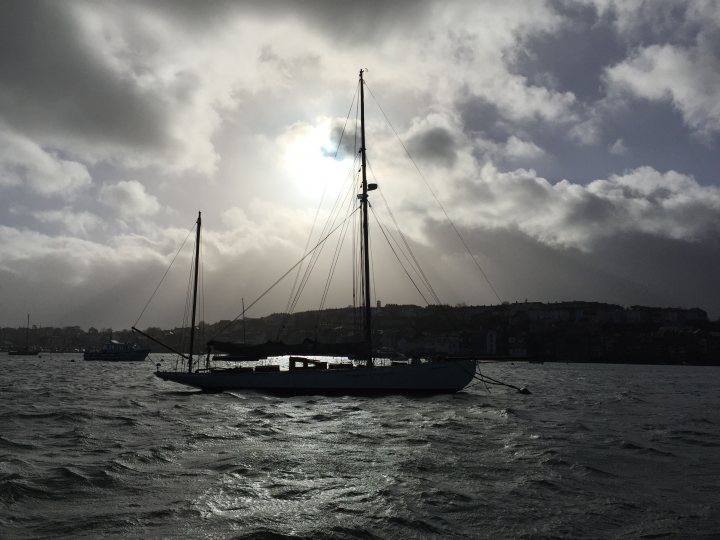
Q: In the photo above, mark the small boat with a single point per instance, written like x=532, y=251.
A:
x=361, y=372
x=26, y=350
x=117, y=351
x=23, y=352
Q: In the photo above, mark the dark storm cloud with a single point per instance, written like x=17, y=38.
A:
x=343, y=143
x=434, y=145
x=479, y=115
x=54, y=85
x=344, y=20
x=667, y=272
x=590, y=210
x=572, y=57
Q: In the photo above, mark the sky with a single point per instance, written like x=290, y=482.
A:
x=573, y=144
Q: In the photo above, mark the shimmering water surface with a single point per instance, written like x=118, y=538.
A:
x=92, y=450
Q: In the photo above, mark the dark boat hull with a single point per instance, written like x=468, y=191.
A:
x=430, y=378
x=135, y=355
x=23, y=353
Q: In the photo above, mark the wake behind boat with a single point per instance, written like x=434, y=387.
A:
x=283, y=371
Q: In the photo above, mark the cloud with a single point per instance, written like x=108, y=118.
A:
x=115, y=85
x=129, y=198
x=23, y=162
x=433, y=140
x=667, y=205
x=618, y=148
x=627, y=269
x=513, y=151
x=645, y=22
x=64, y=280
x=71, y=221
x=235, y=108
x=263, y=226
x=688, y=77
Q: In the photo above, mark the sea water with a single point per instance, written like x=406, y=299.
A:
x=106, y=450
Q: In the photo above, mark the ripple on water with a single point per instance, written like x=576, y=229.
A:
x=143, y=460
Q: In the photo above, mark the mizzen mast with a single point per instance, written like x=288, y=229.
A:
x=195, y=286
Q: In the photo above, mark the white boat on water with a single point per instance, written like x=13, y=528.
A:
x=361, y=373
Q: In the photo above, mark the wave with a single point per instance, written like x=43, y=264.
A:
x=14, y=445
x=627, y=445
x=340, y=533
x=594, y=471
x=19, y=489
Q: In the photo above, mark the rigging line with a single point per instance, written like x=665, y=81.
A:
x=333, y=265
x=331, y=274
x=164, y=275
x=293, y=290
x=335, y=210
x=202, y=294
x=332, y=219
x=410, y=259
x=361, y=258
x=437, y=200
x=322, y=197
x=487, y=379
x=372, y=262
x=297, y=289
x=186, y=311
x=307, y=243
x=415, y=264
x=392, y=240
x=352, y=264
x=357, y=86
x=382, y=229
x=314, y=259
x=321, y=242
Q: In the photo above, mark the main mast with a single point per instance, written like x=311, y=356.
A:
x=195, y=286
x=365, y=242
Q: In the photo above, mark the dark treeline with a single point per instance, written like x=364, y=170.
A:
x=563, y=332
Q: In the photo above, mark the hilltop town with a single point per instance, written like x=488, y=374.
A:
x=563, y=332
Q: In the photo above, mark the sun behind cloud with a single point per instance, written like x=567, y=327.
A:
x=308, y=157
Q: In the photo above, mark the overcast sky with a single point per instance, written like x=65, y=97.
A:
x=574, y=145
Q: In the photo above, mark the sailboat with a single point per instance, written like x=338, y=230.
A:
x=26, y=350
x=361, y=373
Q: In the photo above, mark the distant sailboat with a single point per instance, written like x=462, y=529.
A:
x=26, y=350
x=360, y=373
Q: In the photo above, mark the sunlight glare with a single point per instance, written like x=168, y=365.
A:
x=308, y=157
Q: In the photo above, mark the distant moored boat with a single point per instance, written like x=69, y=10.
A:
x=26, y=350
x=116, y=351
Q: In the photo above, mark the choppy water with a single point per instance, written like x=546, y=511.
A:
x=92, y=450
